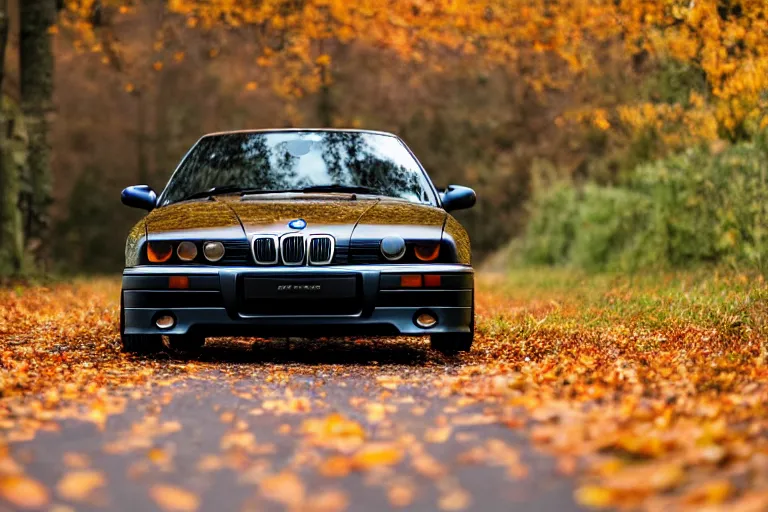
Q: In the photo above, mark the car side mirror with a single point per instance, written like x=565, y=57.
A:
x=457, y=197
x=139, y=196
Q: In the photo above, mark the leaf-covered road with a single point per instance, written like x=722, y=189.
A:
x=567, y=400
x=257, y=435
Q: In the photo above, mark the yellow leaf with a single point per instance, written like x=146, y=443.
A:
x=336, y=466
x=174, y=499
x=238, y=440
x=428, y=466
x=594, y=496
x=334, y=431
x=157, y=66
x=251, y=86
x=438, y=434
x=376, y=454
x=285, y=488
x=455, y=499
x=328, y=501
x=711, y=493
x=400, y=496
x=78, y=485
x=323, y=60
x=390, y=382
x=23, y=492
x=158, y=456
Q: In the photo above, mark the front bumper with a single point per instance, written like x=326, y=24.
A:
x=224, y=301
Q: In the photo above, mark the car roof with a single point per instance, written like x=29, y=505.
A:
x=290, y=130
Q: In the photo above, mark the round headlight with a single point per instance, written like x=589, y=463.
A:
x=187, y=251
x=393, y=248
x=213, y=251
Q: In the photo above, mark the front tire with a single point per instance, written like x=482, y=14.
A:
x=138, y=343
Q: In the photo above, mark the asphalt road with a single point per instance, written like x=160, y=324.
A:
x=301, y=425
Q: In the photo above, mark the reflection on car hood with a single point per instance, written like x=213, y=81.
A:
x=194, y=220
x=230, y=218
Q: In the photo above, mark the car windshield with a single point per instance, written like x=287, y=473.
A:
x=318, y=161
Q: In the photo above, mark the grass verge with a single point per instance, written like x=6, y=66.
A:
x=652, y=389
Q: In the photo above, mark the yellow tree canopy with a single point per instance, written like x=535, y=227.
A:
x=546, y=42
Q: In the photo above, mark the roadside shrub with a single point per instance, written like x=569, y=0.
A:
x=693, y=208
x=551, y=225
x=608, y=218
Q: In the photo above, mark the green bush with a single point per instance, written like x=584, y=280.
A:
x=551, y=226
x=607, y=218
x=689, y=209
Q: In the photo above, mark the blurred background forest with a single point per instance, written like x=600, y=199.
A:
x=600, y=134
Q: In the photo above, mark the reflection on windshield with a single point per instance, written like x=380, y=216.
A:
x=294, y=160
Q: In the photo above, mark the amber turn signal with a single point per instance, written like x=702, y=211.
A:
x=427, y=252
x=410, y=281
x=178, y=282
x=159, y=252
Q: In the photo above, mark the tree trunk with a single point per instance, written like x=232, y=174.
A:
x=325, y=106
x=36, y=63
x=4, y=29
x=11, y=241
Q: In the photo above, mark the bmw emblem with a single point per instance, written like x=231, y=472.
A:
x=297, y=224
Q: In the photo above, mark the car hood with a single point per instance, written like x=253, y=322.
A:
x=344, y=217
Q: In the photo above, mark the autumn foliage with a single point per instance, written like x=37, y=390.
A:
x=551, y=45
x=651, y=393
x=485, y=92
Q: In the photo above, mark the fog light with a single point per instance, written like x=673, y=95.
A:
x=426, y=320
x=165, y=321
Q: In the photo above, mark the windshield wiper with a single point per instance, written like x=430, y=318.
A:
x=352, y=189
x=213, y=191
x=226, y=189
x=236, y=189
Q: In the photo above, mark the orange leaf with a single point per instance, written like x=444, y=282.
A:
x=174, y=499
x=78, y=485
x=23, y=492
x=285, y=488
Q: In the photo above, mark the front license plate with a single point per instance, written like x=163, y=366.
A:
x=294, y=287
